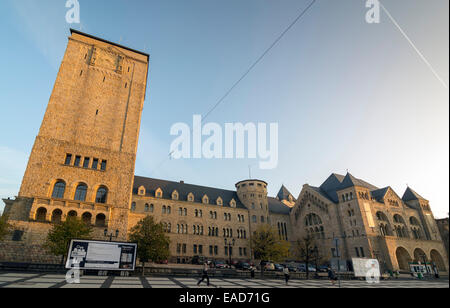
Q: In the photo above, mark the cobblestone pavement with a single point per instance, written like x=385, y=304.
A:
x=35, y=280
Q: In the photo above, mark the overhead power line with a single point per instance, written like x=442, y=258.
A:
x=258, y=60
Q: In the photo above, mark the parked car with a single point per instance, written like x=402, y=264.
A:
x=292, y=268
x=279, y=267
x=323, y=268
x=221, y=265
x=267, y=265
x=243, y=266
x=302, y=268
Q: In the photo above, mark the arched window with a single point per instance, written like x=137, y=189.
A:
x=147, y=208
x=58, y=190
x=169, y=210
x=80, y=193
x=72, y=215
x=100, y=220
x=41, y=214
x=57, y=216
x=87, y=218
x=102, y=194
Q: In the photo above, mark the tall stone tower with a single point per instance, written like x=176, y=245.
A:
x=83, y=159
x=253, y=194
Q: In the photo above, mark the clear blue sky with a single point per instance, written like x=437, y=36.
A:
x=346, y=94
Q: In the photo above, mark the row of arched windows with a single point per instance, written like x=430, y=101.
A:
x=57, y=217
x=59, y=190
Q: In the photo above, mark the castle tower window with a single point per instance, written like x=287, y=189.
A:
x=86, y=162
x=133, y=206
x=72, y=215
x=87, y=218
x=58, y=190
x=41, y=214
x=68, y=159
x=57, y=216
x=95, y=164
x=80, y=193
x=103, y=165
x=77, y=161
x=100, y=220
x=102, y=194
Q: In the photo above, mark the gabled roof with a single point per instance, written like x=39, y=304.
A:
x=379, y=193
x=351, y=181
x=411, y=195
x=330, y=186
x=284, y=194
x=278, y=207
x=151, y=185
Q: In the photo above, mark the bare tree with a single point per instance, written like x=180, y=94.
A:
x=307, y=251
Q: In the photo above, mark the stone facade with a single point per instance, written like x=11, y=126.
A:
x=82, y=164
x=369, y=222
x=443, y=230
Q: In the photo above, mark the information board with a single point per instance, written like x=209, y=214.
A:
x=104, y=256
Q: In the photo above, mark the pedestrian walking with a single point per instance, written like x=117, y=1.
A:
x=204, y=275
x=286, y=274
x=331, y=276
x=252, y=272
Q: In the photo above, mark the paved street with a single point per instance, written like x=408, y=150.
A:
x=29, y=280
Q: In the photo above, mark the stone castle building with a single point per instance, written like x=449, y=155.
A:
x=82, y=165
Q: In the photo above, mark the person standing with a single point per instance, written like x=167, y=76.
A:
x=204, y=275
x=286, y=274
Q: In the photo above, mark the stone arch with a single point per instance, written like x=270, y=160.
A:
x=101, y=194
x=58, y=189
x=57, y=216
x=72, y=215
x=418, y=255
x=41, y=214
x=399, y=219
x=437, y=259
x=403, y=258
x=87, y=218
x=100, y=220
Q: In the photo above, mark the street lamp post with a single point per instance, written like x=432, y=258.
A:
x=111, y=235
x=229, y=244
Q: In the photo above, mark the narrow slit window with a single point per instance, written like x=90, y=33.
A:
x=68, y=159
x=103, y=165
x=95, y=164
x=77, y=161
x=86, y=162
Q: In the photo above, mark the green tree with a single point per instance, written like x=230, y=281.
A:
x=153, y=243
x=59, y=237
x=267, y=245
x=4, y=227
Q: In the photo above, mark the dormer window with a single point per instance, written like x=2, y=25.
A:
x=219, y=201
x=175, y=195
x=233, y=203
x=205, y=199
x=159, y=193
x=141, y=191
x=190, y=197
